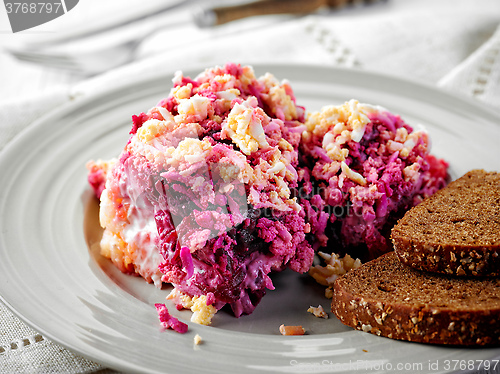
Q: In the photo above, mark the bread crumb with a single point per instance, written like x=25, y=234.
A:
x=318, y=311
x=197, y=339
x=292, y=330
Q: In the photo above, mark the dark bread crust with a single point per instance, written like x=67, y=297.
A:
x=386, y=298
x=456, y=230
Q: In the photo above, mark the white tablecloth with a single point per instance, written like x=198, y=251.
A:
x=453, y=44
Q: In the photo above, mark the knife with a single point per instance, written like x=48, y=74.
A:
x=213, y=16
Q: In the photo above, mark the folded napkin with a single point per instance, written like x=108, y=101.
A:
x=23, y=350
x=452, y=44
x=479, y=75
x=418, y=41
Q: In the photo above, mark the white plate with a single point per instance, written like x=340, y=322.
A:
x=54, y=282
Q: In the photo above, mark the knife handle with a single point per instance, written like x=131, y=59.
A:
x=225, y=14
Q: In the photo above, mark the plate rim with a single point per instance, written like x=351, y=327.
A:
x=72, y=105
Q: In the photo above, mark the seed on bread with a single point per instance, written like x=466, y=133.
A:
x=419, y=306
x=456, y=230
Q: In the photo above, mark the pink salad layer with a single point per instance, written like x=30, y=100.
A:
x=201, y=196
x=362, y=168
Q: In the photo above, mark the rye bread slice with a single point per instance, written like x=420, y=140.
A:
x=456, y=230
x=386, y=298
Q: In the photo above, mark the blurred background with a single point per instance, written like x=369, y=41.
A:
x=425, y=40
x=450, y=44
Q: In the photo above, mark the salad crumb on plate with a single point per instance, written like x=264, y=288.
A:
x=292, y=330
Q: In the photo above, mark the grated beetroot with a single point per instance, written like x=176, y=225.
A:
x=206, y=182
x=347, y=216
x=97, y=180
x=137, y=122
x=169, y=322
